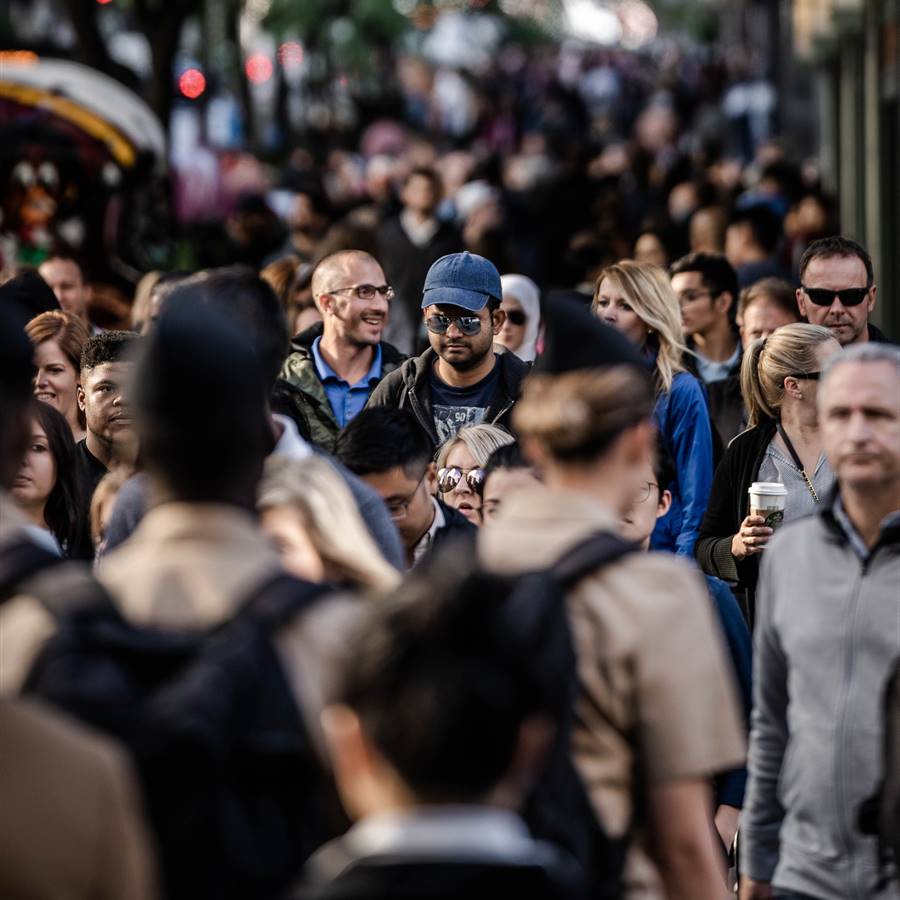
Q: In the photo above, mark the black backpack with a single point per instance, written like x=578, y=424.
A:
x=233, y=788
x=880, y=814
x=559, y=810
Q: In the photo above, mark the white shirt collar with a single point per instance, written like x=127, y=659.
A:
x=427, y=539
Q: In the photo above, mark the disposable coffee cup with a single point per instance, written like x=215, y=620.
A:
x=767, y=500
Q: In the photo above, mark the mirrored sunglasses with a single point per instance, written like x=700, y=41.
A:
x=468, y=325
x=450, y=478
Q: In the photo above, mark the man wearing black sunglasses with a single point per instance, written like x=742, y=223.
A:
x=459, y=380
x=837, y=290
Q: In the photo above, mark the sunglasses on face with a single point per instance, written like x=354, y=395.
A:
x=468, y=325
x=825, y=297
x=450, y=478
x=516, y=317
x=805, y=376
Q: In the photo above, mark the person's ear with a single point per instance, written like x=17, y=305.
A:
x=498, y=317
x=351, y=760
x=79, y=396
x=664, y=504
x=792, y=388
x=801, y=303
x=324, y=303
x=724, y=301
x=431, y=479
x=532, y=745
x=871, y=300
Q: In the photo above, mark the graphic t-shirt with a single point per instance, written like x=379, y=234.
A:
x=455, y=407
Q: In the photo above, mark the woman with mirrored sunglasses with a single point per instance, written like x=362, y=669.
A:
x=779, y=381
x=460, y=465
x=522, y=305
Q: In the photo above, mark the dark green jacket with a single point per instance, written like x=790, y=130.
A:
x=299, y=392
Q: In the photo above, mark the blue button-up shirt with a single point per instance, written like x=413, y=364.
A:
x=346, y=399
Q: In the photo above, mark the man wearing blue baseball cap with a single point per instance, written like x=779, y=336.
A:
x=459, y=380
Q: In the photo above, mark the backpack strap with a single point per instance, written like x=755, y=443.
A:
x=593, y=553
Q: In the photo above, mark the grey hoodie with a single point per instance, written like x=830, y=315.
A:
x=827, y=631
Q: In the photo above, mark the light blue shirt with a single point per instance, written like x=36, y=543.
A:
x=711, y=371
x=346, y=400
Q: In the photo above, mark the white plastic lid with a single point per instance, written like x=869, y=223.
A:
x=770, y=488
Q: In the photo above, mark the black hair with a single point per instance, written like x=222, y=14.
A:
x=248, y=300
x=16, y=371
x=493, y=304
x=382, y=438
x=763, y=222
x=437, y=185
x=717, y=273
x=441, y=681
x=828, y=247
x=663, y=465
x=108, y=347
x=509, y=456
x=60, y=510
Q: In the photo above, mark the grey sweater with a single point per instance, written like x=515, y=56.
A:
x=827, y=631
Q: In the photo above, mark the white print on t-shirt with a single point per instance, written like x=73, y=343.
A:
x=449, y=419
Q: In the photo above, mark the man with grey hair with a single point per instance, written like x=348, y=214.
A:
x=827, y=633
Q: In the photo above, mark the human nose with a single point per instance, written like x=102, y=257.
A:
x=454, y=326
x=40, y=378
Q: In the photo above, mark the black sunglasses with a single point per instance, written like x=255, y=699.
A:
x=805, y=376
x=517, y=317
x=450, y=478
x=825, y=297
x=468, y=325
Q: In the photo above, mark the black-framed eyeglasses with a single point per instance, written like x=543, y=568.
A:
x=644, y=493
x=366, y=291
x=449, y=478
x=516, y=317
x=805, y=376
x=468, y=325
x=847, y=296
x=398, y=507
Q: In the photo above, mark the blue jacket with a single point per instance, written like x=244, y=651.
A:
x=682, y=418
x=730, y=786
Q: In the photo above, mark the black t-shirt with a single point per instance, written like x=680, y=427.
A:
x=454, y=408
x=87, y=471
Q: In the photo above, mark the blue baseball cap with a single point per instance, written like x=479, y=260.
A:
x=461, y=279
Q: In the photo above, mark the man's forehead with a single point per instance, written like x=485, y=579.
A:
x=835, y=272
x=863, y=384
x=61, y=268
x=109, y=371
x=687, y=279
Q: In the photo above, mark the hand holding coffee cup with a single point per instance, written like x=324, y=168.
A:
x=767, y=499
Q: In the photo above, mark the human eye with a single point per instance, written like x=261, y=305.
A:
x=626, y=307
x=365, y=291
x=603, y=302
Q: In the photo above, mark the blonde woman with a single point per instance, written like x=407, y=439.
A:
x=311, y=517
x=460, y=465
x=783, y=444
x=637, y=299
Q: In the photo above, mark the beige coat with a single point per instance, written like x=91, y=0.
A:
x=657, y=701
x=72, y=825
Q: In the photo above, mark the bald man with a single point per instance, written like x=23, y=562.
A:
x=335, y=364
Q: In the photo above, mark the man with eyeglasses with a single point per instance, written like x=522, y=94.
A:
x=707, y=290
x=459, y=380
x=387, y=449
x=336, y=363
x=837, y=290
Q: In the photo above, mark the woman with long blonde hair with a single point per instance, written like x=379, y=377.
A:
x=312, y=518
x=783, y=444
x=637, y=299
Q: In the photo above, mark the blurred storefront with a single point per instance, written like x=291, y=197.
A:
x=855, y=48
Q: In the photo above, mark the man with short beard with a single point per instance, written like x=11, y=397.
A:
x=459, y=380
x=106, y=362
x=336, y=363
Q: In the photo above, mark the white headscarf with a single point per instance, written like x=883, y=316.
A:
x=529, y=296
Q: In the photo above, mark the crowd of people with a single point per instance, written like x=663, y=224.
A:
x=370, y=571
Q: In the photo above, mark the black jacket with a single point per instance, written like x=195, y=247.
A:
x=728, y=506
x=457, y=530
x=726, y=403
x=877, y=336
x=410, y=387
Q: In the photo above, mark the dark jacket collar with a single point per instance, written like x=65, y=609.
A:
x=889, y=535
x=877, y=336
